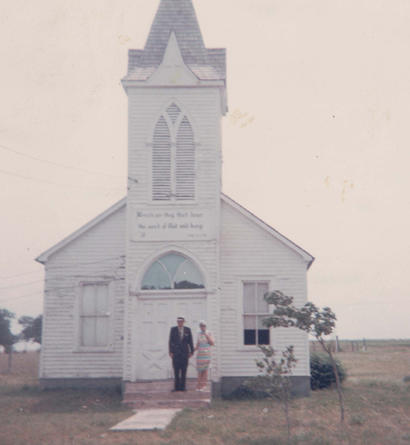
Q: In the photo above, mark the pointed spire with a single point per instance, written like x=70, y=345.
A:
x=176, y=16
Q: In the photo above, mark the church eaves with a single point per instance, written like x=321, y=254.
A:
x=177, y=16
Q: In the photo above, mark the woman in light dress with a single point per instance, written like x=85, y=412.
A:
x=203, y=355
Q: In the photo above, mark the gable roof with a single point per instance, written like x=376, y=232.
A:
x=252, y=217
x=64, y=242
x=179, y=17
x=123, y=202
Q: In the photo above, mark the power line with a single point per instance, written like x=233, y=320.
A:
x=85, y=263
x=76, y=286
x=53, y=289
x=19, y=275
x=57, y=164
x=45, y=181
x=15, y=286
x=20, y=297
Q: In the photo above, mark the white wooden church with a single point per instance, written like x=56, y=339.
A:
x=175, y=244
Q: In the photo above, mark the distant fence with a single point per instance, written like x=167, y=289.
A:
x=341, y=345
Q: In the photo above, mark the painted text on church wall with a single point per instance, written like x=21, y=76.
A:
x=178, y=225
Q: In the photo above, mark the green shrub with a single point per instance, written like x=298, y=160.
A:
x=321, y=371
x=248, y=390
x=357, y=420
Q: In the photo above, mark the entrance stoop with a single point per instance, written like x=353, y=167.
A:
x=157, y=394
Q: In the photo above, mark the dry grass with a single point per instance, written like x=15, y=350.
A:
x=383, y=361
x=25, y=368
x=377, y=404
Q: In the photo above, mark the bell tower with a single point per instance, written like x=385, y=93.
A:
x=176, y=90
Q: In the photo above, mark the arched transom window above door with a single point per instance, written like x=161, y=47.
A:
x=173, y=157
x=172, y=271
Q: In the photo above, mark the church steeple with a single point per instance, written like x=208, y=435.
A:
x=176, y=16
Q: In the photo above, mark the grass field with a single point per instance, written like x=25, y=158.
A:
x=377, y=410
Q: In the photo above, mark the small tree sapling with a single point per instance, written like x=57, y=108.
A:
x=277, y=374
x=309, y=318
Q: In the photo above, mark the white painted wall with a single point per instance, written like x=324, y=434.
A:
x=246, y=252
x=249, y=252
x=96, y=255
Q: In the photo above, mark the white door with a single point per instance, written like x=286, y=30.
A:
x=156, y=317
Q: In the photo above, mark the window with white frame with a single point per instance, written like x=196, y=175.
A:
x=255, y=309
x=173, y=157
x=95, y=316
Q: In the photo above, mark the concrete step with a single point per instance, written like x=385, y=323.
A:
x=158, y=385
x=158, y=394
x=188, y=395
x=149, y=404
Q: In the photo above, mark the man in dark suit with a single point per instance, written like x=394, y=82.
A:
x=181, y=348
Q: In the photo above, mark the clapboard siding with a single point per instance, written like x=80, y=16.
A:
x=96, y=255
x=197, y=112
x=174, y=163
x=248, y=251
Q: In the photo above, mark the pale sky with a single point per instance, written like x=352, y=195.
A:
x=316, y=142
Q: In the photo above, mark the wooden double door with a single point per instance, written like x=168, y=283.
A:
x=156, y=316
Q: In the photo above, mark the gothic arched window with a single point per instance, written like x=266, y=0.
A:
x=173, y=157
x=172, y=271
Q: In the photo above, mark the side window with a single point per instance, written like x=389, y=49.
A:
x=255, y=309
x=173, y=157
x=95, y=316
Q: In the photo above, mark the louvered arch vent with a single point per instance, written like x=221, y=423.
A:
x=185, y=162
x=161, y=162
x=173, y=112
x=173, y=157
